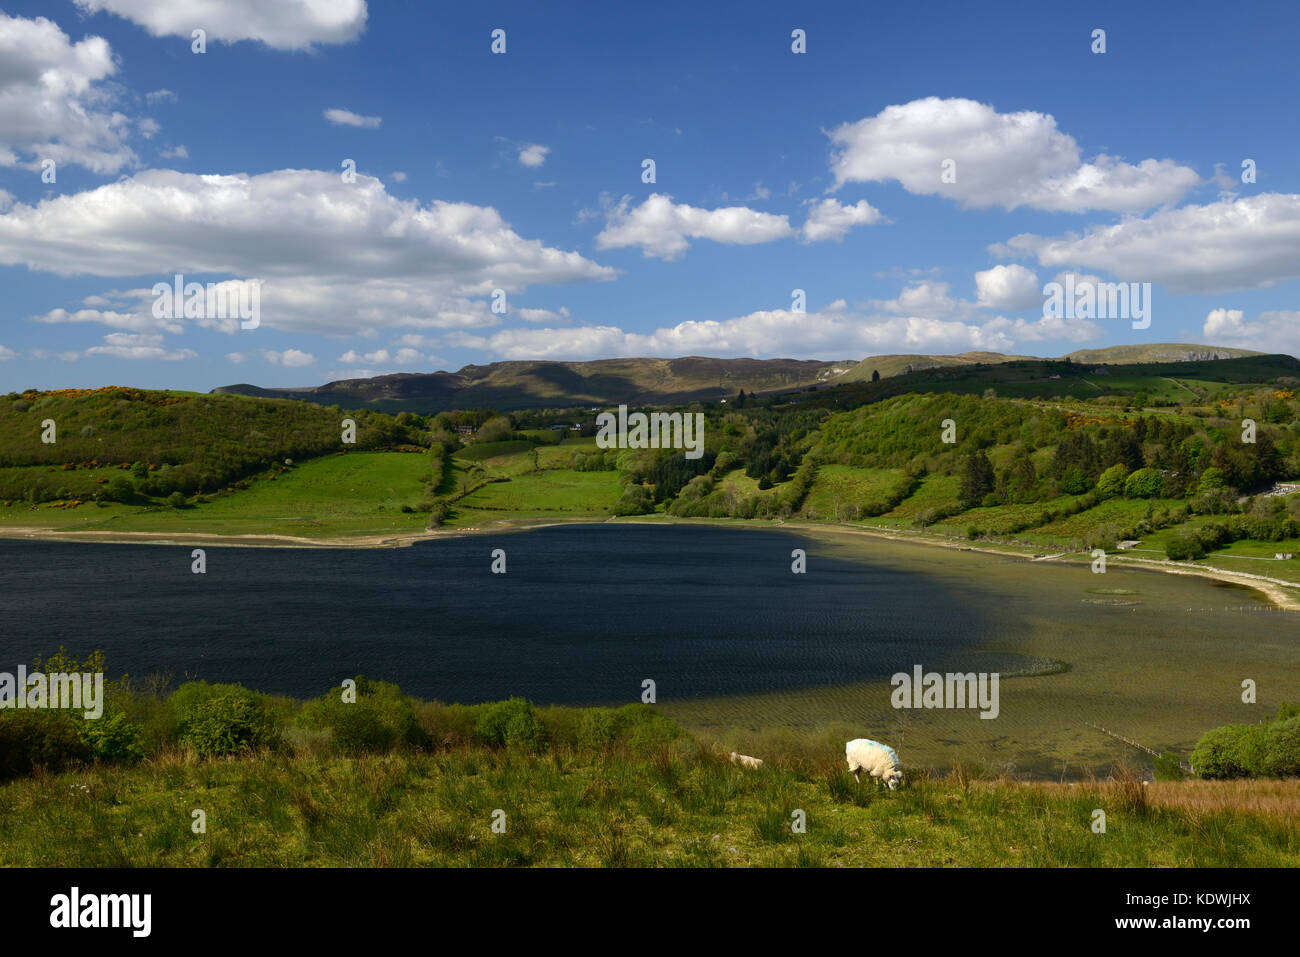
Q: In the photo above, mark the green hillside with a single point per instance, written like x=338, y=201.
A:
x=1159, y=352
x=1045, y=454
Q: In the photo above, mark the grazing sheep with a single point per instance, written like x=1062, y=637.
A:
x=745, y=760
x=878, y=760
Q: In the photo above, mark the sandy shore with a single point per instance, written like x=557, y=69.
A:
x=210, y=540
x=1282, y=593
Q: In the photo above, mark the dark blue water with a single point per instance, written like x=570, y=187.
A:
x=582, y=615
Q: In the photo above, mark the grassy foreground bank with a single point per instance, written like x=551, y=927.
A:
x=676, y=802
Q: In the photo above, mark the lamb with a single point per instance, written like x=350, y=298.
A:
x=745, y=760
x=878, y=760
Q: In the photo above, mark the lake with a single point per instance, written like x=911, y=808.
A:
x=734, y=641
x=582, y=614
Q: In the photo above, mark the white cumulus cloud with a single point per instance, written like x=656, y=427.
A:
x=999, y=159
x=534, y=154
x=282, y=25
x=662, y=229
x=334, y=257
x=829, y=219
x=341, y=117
x=1008, y=287
x=1251, y=242
x=54, y=101
x=1273, y=331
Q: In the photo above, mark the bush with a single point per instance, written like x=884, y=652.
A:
x=380, y=719
x=176, y=500
x=119, y=489
x=510, y=723
x=635, y=501
x=559, y=725
x=1111, y=483
x=597, y=729
x=1169, y=768
x=1184, y=546
x=1282, y=748
x=1212, y=479
x=1144, y=483
x=446, y=725
x=112, y=738
x=223, y=719
x=645, y=730
x=45, y=739
x=1105, y=537
x=1232, y=751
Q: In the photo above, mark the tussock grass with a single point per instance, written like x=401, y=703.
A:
x=682, y=804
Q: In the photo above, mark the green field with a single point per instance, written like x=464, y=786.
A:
x=935, y=492
x=849, y=486
x=356, y=493
x=553, y=492
x=672, y=802
x=1115, y=511
x=1000, y=519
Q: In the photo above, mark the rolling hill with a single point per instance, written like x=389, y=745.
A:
x=906, y=363
x=651, y=381
x=536, y=384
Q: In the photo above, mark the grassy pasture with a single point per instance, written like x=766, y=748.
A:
x=852, y=486
x=683, y=805
x=354, y=493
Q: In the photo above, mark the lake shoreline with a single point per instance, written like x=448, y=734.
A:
x=1285, y=595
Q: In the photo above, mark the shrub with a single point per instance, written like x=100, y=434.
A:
x=1075, y=481
x=1169, y=768
x=381, y=718
x=223, y=719
x=1232, y=751
x=45, y=739
x=643, y=729
x=1184, y=546
x=113, y=738
x=597, y=729
x=560, y=725
x=510, y=723
x=446, y=725
x=1212, y=479
x=926, y=517
x=1111, y=483
x=635, y=501
x=1144, y=483
x=1282, y=748
x=176, y=500
x=1104, y=537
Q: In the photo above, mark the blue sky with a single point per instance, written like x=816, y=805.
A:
x=522, y=172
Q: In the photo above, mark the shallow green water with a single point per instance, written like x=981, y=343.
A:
x=1153, y=657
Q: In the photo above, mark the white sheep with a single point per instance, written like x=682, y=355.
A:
x=746, y=761
x=878, y=760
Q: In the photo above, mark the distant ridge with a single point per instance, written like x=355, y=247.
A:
x=892, y=365
x=652, y=381
x=1159, y=352
x=541, y=384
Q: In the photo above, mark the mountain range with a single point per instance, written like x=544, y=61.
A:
x=653, y=381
